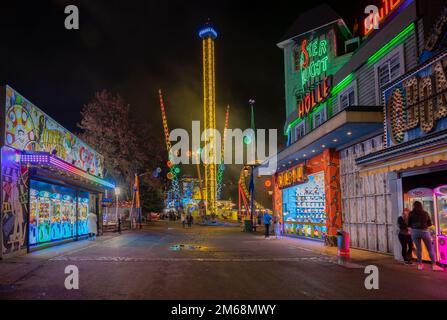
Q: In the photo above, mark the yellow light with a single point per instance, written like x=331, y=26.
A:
x=209, y=103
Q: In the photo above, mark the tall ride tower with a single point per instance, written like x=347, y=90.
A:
x=208, y=35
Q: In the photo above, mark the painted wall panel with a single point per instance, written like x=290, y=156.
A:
x=15, y=188
x=29, y=128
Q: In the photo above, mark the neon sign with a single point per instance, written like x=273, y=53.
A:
x=311, y=59
x=376, y=17
x=315, y=97
x=291, y=177
x=417, y=105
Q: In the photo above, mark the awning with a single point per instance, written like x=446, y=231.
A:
x=345, y=128
x=45, y=160
x=407, y=162
x=424, y=151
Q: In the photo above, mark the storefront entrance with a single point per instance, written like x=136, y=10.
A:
x=430, y=189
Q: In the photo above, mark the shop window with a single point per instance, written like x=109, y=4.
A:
x=53, y=214
x=300, y=130
x=319, y=117
x=389, y=69
x=347, y=97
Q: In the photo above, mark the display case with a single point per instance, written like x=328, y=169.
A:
x=441, y=223
x=83, y=209
x=305, y=208
x=52, y=213
x=68, y=211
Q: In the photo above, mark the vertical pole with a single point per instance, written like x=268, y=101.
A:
x=77, y=215
x=252, y=194
x=252, y=182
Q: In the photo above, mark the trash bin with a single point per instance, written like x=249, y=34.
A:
x=248, y=226
x=343, y=243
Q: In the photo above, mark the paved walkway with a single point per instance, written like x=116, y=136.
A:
x=165, y=261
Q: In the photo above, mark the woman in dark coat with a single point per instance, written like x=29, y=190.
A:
x=405, y=237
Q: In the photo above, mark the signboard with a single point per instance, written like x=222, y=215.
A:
x=312, y=59
x=29, y=128
x=292, y=176
x=417, y=105
x=315, y=97
x=377, y=16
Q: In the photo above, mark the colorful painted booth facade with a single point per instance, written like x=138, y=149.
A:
x=50, y=179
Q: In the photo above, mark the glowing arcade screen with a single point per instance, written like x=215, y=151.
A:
x=53, y=213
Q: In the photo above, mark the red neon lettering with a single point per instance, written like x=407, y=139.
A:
x=305, y=54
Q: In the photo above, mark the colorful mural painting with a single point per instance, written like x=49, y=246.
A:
x=14, y=202
x=29, y=128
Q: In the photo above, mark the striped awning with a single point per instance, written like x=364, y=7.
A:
x=406, y=162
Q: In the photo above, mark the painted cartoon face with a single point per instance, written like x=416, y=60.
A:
x=21, y=138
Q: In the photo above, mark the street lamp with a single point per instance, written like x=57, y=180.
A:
x=252, y=102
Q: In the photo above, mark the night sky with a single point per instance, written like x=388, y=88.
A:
x=135, y=47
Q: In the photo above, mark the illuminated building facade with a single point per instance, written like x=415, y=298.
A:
x=208, y=36
x=337, y=86
x=51, y=180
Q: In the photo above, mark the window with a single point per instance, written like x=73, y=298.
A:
x=347, y=97
x=300, y=130
x=319, y=117
x=388, y=69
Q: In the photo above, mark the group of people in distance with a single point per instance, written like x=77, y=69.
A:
x=186, y=218
x=414, y=228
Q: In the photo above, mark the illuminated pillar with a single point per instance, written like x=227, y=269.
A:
x=208, y=35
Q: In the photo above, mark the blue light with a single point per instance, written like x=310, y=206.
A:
x=208, y=32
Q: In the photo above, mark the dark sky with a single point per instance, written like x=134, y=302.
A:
x=135, y=47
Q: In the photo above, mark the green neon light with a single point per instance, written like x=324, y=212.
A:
x=371, y=60
x=390, y=45
x=315, y=55
x=339, y=87
x=342, y=84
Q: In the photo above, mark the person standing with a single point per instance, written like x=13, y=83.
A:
x=267, y=220
x=277, y=226
x=419, y=221
x=189, y=219
x=405, y=236
x=92, y=225
x=182, y=216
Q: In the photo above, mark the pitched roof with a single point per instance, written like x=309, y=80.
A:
x=310, y=20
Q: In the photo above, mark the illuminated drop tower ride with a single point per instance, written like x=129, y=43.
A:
x=208, y=35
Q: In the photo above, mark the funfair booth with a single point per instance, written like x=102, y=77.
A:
x=50, y=179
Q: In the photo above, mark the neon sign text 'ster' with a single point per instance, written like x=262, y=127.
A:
x=313, y=59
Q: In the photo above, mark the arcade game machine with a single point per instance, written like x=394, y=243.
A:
x=68, y=217
x=441, y=223
x=56, y=221
x=425, y=196
x=83, y=210
x=43, y=217
x=33, y=217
